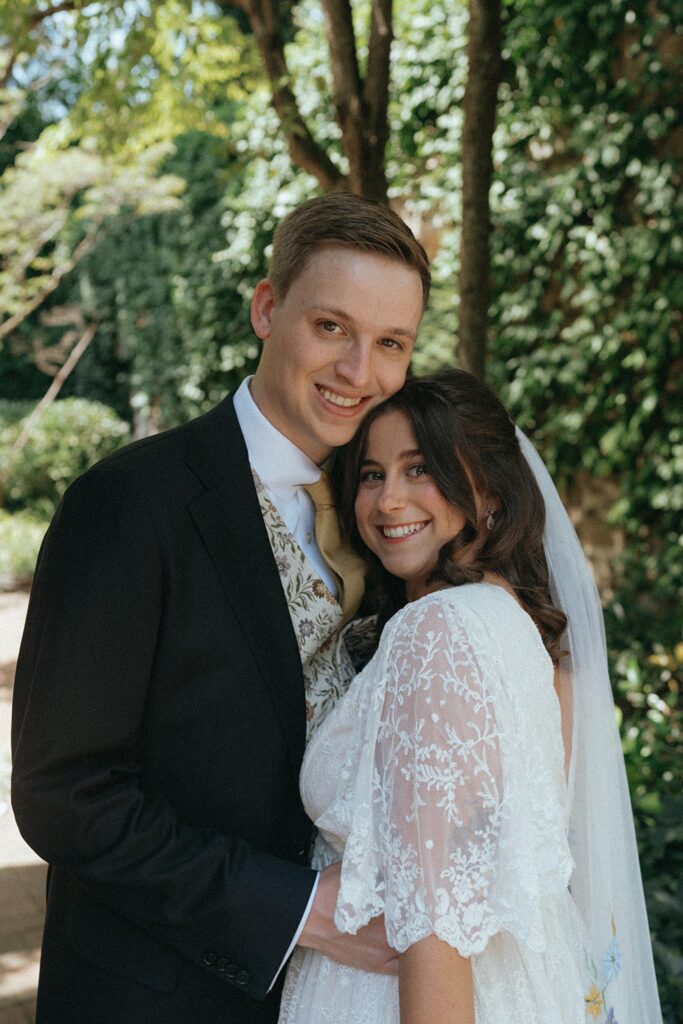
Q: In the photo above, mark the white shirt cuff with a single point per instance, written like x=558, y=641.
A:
x=298, y=931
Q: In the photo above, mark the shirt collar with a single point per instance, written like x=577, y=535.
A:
x=280, y=465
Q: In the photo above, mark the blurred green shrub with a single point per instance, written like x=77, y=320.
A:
x=64, y=441
x=21, y=535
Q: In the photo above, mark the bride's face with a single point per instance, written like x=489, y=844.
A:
x=401, y=514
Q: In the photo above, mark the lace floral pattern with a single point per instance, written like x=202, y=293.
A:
x=439, y=778
x=454, y=836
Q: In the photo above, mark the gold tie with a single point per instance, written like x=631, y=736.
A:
x=347, y=566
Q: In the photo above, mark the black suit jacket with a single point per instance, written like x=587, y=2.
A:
x=158, y=732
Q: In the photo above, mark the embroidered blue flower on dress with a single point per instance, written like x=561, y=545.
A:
x=611, y=962
x=596, y=999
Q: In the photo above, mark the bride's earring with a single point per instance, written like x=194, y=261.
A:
x=490, y=518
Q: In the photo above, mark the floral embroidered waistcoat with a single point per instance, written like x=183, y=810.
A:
x=316, y=615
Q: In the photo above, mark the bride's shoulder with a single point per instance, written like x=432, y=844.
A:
x=460, y=608
x=432, y=611
x=466, y=596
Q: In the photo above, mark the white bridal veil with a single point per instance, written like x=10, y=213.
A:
x=606, y=882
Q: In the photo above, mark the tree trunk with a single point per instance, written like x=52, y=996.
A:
x=361, y=106
x=376, y=96
x=484, y=73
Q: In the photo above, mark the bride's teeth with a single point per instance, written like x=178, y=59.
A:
x=346, y=403
x=401, y=531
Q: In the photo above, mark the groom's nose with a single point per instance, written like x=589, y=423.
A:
x=354, y=366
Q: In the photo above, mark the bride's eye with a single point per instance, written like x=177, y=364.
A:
x=418, y=469
x=370, y=476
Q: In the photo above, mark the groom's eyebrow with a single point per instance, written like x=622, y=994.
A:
x=343, y=315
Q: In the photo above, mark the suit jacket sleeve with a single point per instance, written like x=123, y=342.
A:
x=78, y=734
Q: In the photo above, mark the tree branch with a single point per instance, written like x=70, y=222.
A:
x=53, y=282
x=37, y=17
x=56, y=385
x=25, y=91
x=9, y=67
x=264, y=18
x=29, y=254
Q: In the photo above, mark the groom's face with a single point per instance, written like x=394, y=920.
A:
x=338, y=343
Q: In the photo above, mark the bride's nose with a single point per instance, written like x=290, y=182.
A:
x=391, y=496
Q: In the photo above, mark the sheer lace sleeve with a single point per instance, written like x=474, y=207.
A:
x=442, y=836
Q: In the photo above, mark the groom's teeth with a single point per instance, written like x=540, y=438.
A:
x=401, y=531
x=346, y=403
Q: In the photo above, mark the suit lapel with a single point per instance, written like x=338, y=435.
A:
x=229, y=519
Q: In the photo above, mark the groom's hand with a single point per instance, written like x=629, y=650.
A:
x=367, y=949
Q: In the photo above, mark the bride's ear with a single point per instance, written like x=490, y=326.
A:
x=491, y=510
x=488, y=507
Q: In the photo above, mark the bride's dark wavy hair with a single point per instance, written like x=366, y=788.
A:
x=466, y=438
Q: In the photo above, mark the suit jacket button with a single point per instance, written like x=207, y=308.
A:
x=231, y=971
x=209, y=959
x=221, y=965
x=243, y=977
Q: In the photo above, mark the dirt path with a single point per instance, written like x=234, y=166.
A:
x=22, y=874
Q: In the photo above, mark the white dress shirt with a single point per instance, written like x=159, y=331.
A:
x=283, y=469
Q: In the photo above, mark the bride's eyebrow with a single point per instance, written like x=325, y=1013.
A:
x=409, y=453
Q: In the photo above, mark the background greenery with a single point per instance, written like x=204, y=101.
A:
x=143, y=169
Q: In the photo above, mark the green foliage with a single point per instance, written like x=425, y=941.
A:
x=173, y=324
x=19, y=376
x=64, y=441
x=150, y=72
x=54, y=204
x=586, y=349
x=661, y=861
x=21, y=535
x=648, y=684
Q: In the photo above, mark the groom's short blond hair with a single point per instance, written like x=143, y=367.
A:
x=345, y=221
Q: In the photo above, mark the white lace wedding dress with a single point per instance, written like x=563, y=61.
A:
x=439, y=780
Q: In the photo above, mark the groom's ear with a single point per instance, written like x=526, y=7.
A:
x=262, y=305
